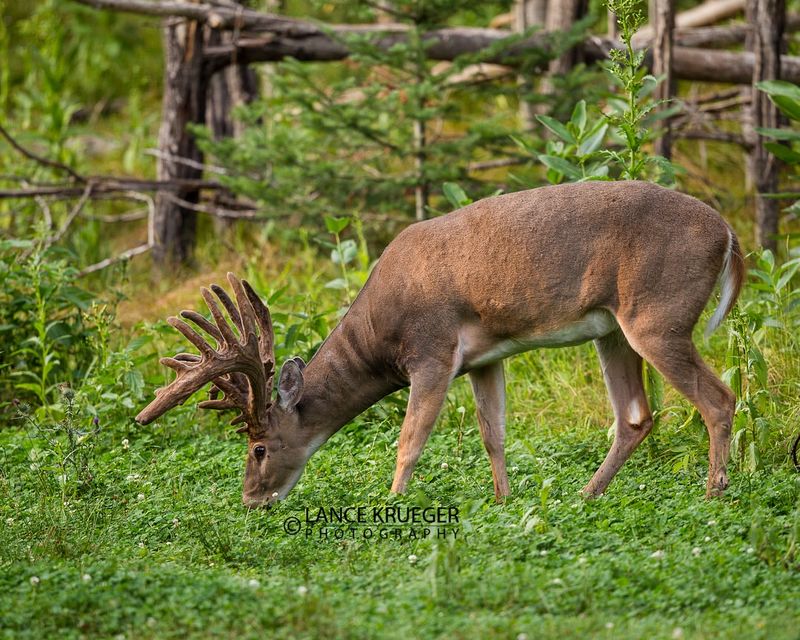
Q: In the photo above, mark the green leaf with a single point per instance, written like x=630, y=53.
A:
x=778, y=134
x=336, y=225
x=779, y=88
x=557, y=128
x=579, y=116
x=562, y=166
x=345, y=252
x=455, y=195
x=593, y=141
x=790, y=107
x=782, y=152
x=138, y=342
x=338, y=283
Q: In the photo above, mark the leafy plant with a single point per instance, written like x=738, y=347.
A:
x=43, y=337
x=785, y=96
x=575, y=153
x=610, y=144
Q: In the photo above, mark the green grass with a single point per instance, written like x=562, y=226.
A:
x=159, y=546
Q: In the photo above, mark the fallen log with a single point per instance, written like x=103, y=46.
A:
x=281, y=37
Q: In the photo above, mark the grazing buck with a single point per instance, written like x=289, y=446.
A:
x=629, y=265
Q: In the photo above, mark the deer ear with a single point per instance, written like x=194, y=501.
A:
x=290, y=384
x=300, y=362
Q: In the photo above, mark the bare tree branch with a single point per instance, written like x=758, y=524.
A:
x=87, y=192
x=125, y=255
x=110, y=184
x=41, y=160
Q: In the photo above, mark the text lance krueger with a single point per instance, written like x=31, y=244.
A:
x=381, y=515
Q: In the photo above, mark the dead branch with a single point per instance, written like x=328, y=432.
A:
x=125, y=255
x=187, y=162
x=53, y=164
x=218, y=212
x=87, y=192
x=108, y=184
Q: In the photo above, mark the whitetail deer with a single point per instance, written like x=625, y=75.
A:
x=629, y=265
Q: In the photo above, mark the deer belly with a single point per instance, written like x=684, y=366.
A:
x=478, y=350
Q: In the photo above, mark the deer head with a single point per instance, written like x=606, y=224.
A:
x=242, y=368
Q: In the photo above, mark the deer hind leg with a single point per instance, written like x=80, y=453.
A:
x=488, y=385
x=429, y=384
x=622, y=370
x=676, y=357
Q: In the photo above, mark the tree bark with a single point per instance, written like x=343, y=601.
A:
x=184, y=103
x=527, y=14
x=662, y=17
x=768, y=23
x=229, y=88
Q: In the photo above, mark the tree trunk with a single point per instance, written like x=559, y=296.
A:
x=527, y=14
x=768, y=17
x=561, y=16
x=235, y=85
x=184, y=102
x=662, y=17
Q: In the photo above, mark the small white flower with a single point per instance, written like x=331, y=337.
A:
x=412, y=559
x=609, y=625
x=35, y=580
x=677, y=633
x=711, y=523
x=274, y=494
x=175, y=522
x=557, y=581
x=749, y=550
x=642, y=487
x=302, y=590
x=445, y=465
x=515, y=469
x=657, y=554
x=543, y=552
x=125, y=443
x=394, y=444
x=9, y=521
x=697, y=551
x=582, y=560
x=522, y=636
x=141, y=545
x=556, y=502
x=707, y=539
x=86, y=577
x=141, y=496
x=253, y=583
x=132, y=477
x=152, y=622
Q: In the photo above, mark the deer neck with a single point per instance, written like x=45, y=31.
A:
x=343, y=379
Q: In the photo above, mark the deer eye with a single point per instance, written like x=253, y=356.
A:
x=259, y=451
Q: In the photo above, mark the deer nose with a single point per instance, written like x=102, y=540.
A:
x=255, y=502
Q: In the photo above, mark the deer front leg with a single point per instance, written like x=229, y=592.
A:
x=488, y=385
x=622, y=370
x=428, y=391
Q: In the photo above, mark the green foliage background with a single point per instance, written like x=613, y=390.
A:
x=108, y=529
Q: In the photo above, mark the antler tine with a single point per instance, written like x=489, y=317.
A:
x=264, y=320
x=246, y=311
x=204, y=324
x=191, y=335
x=227, y=335
x=233, y=312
